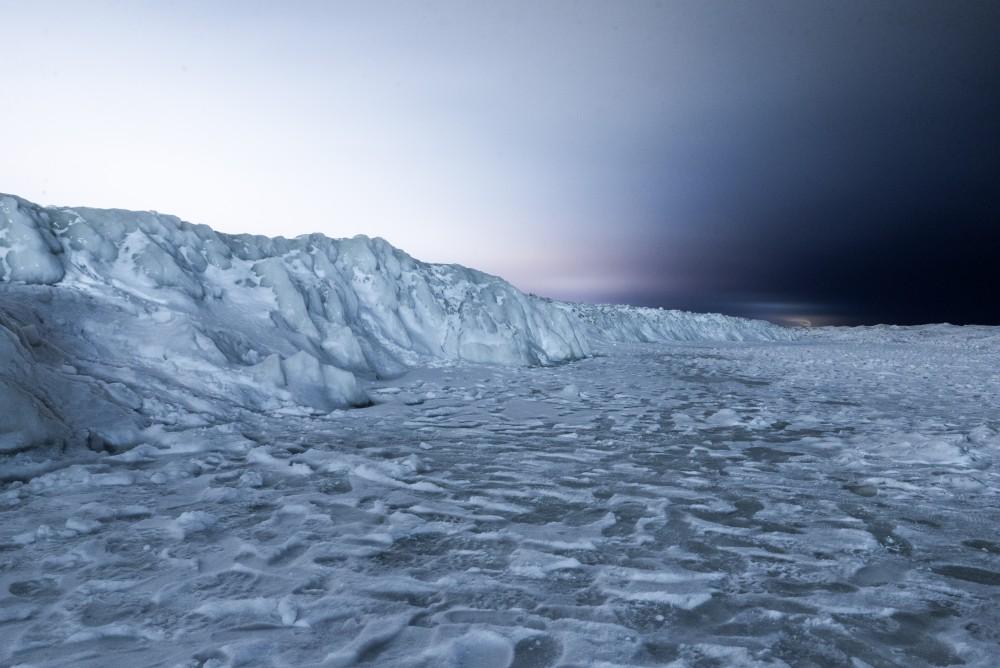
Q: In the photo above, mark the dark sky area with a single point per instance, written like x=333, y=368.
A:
x=852, y=176
x=798, y=160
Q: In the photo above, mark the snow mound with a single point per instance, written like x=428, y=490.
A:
x=634, y=324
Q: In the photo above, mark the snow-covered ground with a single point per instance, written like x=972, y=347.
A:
x=679, y=489
x=813, y=503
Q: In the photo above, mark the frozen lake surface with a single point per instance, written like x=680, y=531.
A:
x=827, y=502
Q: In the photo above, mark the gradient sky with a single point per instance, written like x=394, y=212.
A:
x=829, y=161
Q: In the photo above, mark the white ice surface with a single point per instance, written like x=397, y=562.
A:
x=818, y=502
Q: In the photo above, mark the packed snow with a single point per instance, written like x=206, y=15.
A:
x=236, y=451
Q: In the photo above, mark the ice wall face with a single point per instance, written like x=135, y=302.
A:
x=47, y=403
x=632, y=324
x=28, y=414
x=307, y=316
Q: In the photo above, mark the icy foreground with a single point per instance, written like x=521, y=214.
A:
x=701, y=492
x=811, y=503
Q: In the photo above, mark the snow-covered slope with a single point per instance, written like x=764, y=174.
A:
x=633, y=324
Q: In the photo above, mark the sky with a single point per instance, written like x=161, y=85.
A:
x=801, y=161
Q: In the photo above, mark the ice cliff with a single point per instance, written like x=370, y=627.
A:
x=112, y=317
x=632, y=324
x=280, y=307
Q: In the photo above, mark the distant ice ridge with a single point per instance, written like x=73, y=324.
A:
x=633, y=324
x=969, y=337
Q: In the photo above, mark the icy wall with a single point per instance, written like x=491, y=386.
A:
x=118, y=318
x=347, y=305
x=632, y=324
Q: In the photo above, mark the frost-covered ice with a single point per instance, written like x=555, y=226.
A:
x=828, y=498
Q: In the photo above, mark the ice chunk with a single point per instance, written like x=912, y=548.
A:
x=27, y=246
x=320, y=385
x=190, y=522
x=480, y=649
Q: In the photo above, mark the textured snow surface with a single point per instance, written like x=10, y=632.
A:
x=826, y=502
x=179, y=488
